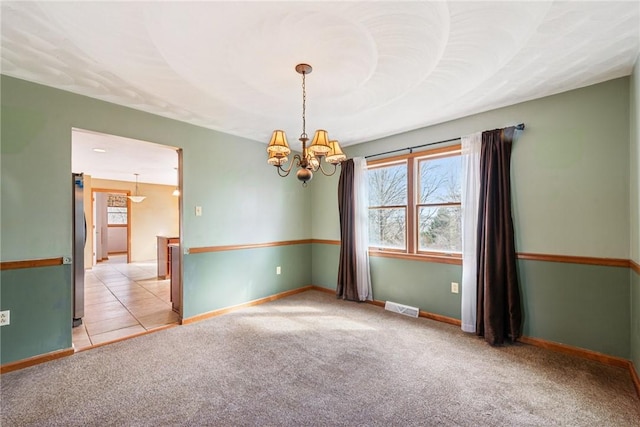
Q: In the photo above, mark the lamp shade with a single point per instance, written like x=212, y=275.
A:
x=313, y=162
x=335, y=154
x=278, y=143
x=320, y=144
x=277, y=159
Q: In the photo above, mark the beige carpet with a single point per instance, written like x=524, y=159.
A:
x=310, y=360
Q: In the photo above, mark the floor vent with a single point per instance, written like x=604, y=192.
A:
x=402, y=309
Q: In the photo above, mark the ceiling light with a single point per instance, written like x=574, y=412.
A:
x=320, y=147
x=137, y=198
x=99, y=150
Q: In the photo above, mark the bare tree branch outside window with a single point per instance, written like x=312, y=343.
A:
x=439, y=213
x=437, y=208
x=388, y=206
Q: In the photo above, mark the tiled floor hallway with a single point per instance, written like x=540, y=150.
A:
x=122, y=300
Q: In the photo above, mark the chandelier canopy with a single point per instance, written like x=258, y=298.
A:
x=310, y=160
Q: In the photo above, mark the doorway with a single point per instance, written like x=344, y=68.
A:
x=123, y=293
x=111, y=219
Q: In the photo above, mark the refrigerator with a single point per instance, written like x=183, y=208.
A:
x=79, y=241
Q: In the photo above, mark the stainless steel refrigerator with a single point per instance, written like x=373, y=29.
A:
x=79, y=241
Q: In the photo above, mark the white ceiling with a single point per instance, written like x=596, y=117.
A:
x=117, y=158
x=379, y=68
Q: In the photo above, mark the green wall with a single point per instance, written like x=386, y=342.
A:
x=324, y=268
x=574, y=189
x=222, y=279
x=634, y=110
x=570, y=169
x=571, y=196
x=583, y=306
x=40, y=303
x=634, y=160
x=244, y=202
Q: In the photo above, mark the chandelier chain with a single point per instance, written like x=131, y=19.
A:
x=304, y=107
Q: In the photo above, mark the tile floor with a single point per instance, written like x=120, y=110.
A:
x=122, y=300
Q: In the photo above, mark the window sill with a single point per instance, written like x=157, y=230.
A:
x=454, y=259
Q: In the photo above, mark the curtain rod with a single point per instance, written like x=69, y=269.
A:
x=518, y=127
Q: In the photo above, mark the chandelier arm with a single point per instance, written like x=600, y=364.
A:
x=285, y=171
x=335, y=168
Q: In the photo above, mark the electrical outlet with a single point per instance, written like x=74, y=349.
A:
x=4, y=317
x=278, y=270
x=454, y=287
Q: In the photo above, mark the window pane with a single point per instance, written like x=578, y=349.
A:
x=440, y=229
x=116, y=215
x=440, y=180
x=387, y=228
x=388, y=185
x=116, y=200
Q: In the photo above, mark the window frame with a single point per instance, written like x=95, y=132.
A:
x=125, y=214
x=379, y=165
x=411, y=250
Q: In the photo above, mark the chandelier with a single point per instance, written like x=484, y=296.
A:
x=310, y=160
x=137, y=198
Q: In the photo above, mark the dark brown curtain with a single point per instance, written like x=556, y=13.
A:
x=346, y=288
x=499, y=314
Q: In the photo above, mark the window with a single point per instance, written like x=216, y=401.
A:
x=116, y=216
x=116, y=209
x=414, y=203
x=439, y=214
x=388, y=206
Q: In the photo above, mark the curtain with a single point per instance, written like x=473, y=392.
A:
x=354, y=280
x=361, y=190
x=471, y=145
x=499, y=314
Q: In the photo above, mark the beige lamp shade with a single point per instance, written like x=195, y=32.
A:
x=277, y=159
x=335, y=154
x=278, y=143
x=137, y=199
x=320, y=144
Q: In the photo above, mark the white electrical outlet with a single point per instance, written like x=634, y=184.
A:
x=4, y=317
x=278, y=270
x=454, y=287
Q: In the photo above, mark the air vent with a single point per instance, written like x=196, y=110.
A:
x=402, y=309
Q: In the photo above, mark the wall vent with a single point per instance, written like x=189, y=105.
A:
x=402, y=309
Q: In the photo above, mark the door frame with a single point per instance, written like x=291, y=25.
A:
x=93, y=215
